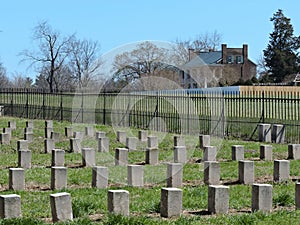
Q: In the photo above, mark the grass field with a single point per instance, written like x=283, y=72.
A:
x=90, y=204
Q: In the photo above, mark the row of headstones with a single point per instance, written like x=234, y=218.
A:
x=237, y=151
x=135, y=176
x=170, y=202
x=271, y=133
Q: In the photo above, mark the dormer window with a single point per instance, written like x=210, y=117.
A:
x=230, y=59
x=239, y=59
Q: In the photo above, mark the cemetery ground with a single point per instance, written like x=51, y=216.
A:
x=89, y=204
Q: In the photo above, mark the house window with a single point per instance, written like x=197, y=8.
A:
x=230, y=59
x=239, y=59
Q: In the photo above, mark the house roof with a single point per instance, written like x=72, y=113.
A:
x=210, y=57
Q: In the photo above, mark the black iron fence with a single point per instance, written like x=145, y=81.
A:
x=228, y=114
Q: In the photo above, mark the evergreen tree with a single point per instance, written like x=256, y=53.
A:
x=281, y=56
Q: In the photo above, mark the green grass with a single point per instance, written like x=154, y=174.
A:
x=90, y=204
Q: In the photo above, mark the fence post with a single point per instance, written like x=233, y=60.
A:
x=27, y=110
x=61, y=106
x=104, y=108
x=12, y=103
x=263, y=107
x=81, y=106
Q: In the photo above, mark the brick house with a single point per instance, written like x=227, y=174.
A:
x=214, y=68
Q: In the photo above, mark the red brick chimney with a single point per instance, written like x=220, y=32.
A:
x=245, y=52
x=224, y=53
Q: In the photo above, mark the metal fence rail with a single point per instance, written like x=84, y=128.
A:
x=228, y=114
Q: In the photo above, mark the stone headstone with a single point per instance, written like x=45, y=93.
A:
x=170, y=202
x=246, y=172
x=218, y=199
x=118, y=202
x=10, y=206
x=266, y=152
x=16, y=179
x=61, y=207
x=174, y=175
x=58, y=177
x=99, y=177
x=135, y=175
x=103, y=144
x=121, y=156
x=261, y=197
x=211, y=172
x=151, y=156
x=281, y=170
x=264, y=132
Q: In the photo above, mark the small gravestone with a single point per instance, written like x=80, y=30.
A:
x=8, y=131
x=264, y=132
x=58, y=157
x=61, y=207
x=12, y=125
x=218, y=199
x=170, y=202
x=152, y=142
x=179, y=141
x=204, y=140
x=261, y=197
x=266, y=152
x=103, y=144
x=79, y=135
x=237, y=152
x=131, y=143
x=118, y=202
x=151, y=156
x=211, y=172
x=174, y=175
x=281, y=171
x=16, y=179
x=209, y=153
x=89, y=131
x=297, y=195
x=58, y=177
x=75, y=145
x=22, y=145
x=55, y=136
x=277, y=134
x=88, y=157
x=68, y=132
x=49, y=144
x=246, y=172
x=121, y=156
x=99, y=177
x=121, y=136
x=10, y=206
x=5, y=138
x=135, y=175
x=143, y=134
x=24, y=159
x=28, y=137
x=49, y=123
x=100, y=134
x=294, y=151
x=180, y=154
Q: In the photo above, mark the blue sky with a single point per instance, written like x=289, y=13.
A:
x=114, y=23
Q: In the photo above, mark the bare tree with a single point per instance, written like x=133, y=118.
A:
x=52, y=51
x=202, y=42
x=20, y=81
x=4, y=80
x=146, y=59
x=84, y=61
